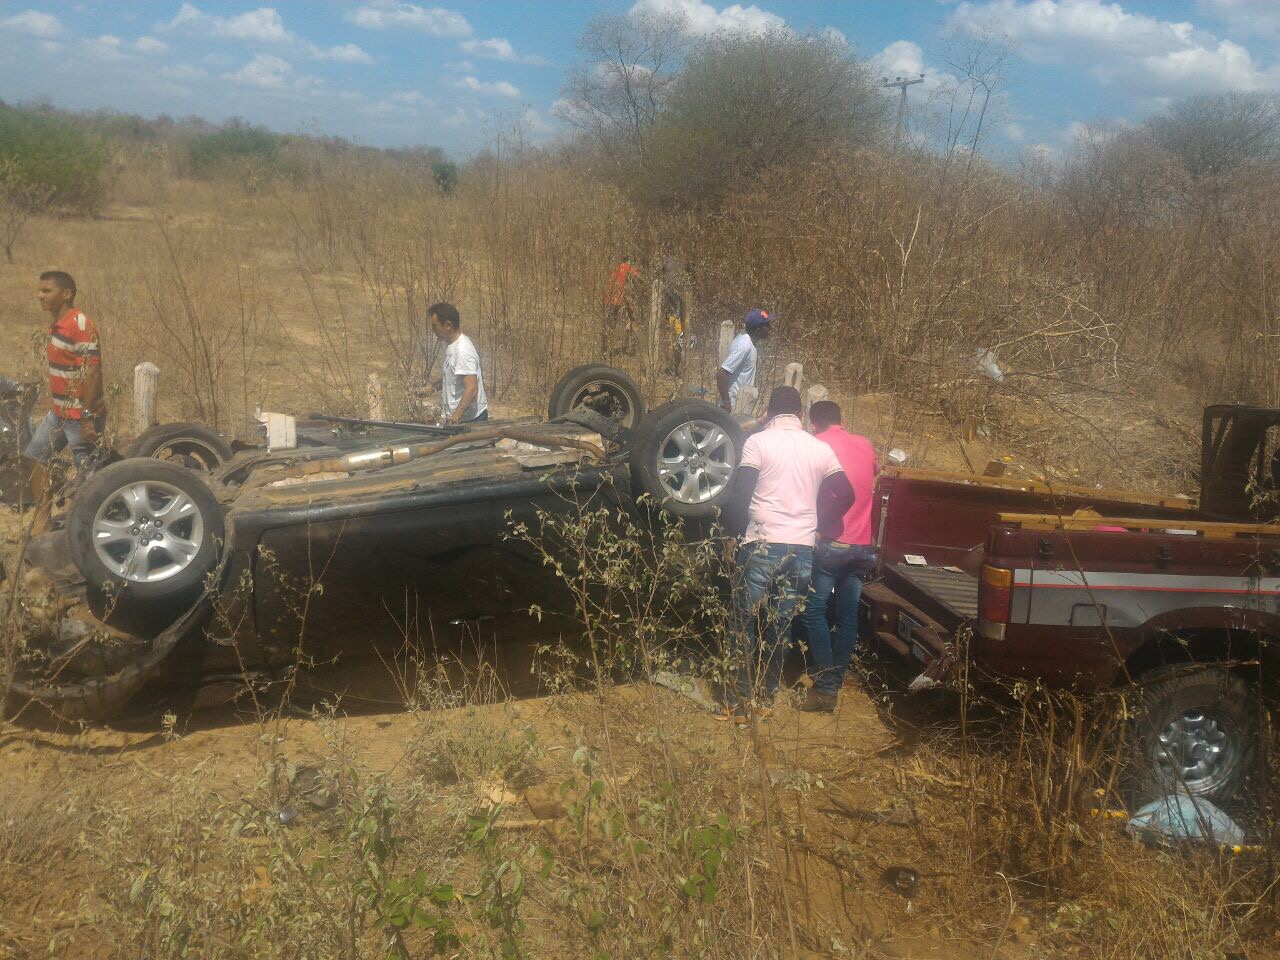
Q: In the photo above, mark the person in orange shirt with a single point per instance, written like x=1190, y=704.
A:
x=78, y=410
x=615, y=301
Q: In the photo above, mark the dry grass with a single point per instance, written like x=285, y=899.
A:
x=622, y=821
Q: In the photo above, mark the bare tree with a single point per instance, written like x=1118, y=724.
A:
x=617, y=90
x=1214, y=136
x=19, y=200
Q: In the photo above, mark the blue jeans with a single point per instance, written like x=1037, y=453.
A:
x=772, y=578
x=838, y=570
x=53, y=433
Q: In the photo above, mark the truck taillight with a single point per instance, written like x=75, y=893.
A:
x=995, y=597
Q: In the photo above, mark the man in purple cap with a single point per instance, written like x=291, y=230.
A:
x=739, y=367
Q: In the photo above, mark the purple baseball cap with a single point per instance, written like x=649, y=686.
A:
x=757, y=318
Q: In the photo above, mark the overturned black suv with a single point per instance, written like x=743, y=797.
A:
x=370, y=514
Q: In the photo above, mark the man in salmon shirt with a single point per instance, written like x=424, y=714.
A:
x=843, y=558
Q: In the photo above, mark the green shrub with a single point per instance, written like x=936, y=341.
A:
x=237, y=148
x=54, y=156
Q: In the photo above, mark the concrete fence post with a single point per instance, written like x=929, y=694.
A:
x=813, y=395
x=655, y=325
x=726, y=338
x=146, y=385
x=375, y=397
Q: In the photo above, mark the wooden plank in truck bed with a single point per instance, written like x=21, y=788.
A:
x=1088, y=521
x=1041, y=487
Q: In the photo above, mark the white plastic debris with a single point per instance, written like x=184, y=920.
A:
x=987, y=365
x=1180, y=816
x=899, y=456
x=282, y=430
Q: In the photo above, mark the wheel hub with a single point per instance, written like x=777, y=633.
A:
x=1193, y=747
x=696, y=461
x=147, y=531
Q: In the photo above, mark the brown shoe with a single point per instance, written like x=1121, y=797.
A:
x=730, y=715
x=815, y=702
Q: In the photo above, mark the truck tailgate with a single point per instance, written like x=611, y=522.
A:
x=951, y=595
x=915, y=610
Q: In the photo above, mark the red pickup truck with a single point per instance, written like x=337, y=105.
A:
x=1092, y=589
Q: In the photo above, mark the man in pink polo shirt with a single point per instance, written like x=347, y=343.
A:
x=844, y=557
x=788, y=486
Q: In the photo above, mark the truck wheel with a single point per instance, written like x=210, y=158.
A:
x=193, y=445
x=1195, y=731
x=145, y=529
x=685, y=456
x=606, y=390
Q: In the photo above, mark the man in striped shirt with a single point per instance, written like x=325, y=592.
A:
x=79, y=410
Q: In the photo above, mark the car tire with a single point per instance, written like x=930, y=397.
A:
x=1195, y=731
x=606, y=390
x=178, y=524
x=193, y=445
x=685, y=456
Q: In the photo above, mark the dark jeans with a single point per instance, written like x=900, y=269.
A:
x=838, y=570
x=482, y=415
x=772, y=578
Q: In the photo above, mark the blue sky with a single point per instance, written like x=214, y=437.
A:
x=397, y=73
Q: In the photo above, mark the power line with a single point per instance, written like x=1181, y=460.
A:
x=901, y=83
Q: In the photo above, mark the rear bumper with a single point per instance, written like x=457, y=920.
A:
x=902, y=628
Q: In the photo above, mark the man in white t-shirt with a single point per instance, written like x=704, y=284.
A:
x=739, y=368
x=462, y=398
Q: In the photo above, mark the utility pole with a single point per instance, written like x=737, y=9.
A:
x=901, y=83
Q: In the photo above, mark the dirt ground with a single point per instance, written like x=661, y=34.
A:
x=86, y=812
x=849, y=790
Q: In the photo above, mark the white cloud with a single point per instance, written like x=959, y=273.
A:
x=150, y=45
x=33, y=23
x=1043, y=153
x=568, y=111
x=497, y=88
x=410, y=98
x=106, y=48
x=463, y=117
x=1016, y=132
x=264, y=72
x=499, y=48
x=704, y=18
x=109, y=48
x=263, y=25
x=462, y=66
x=183, y=72
x=902, y=58
x=389, y=14
x=346, y=53
x=1153, y=57
x=536, y=123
